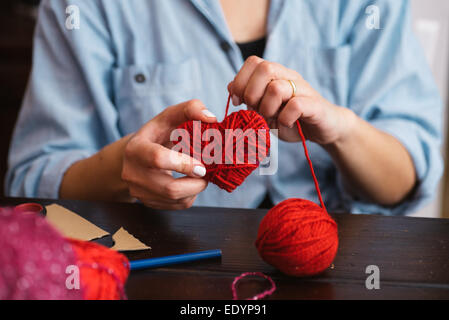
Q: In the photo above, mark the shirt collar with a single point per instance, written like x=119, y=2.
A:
x=212, y=11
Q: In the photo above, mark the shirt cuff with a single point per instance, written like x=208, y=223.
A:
x=424, y=149
x=42, y=177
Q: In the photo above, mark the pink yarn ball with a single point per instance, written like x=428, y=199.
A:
x=33, y=259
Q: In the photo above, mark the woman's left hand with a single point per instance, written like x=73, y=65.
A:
x=265, y=87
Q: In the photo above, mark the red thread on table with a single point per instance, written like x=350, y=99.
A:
x=257, y=296
x=239, y=157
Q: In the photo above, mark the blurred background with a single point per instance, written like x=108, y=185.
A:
x=17, y=19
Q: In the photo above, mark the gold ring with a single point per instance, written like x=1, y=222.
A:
x=292, y=83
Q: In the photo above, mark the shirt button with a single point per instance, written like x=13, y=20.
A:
x=140, y=78
x=225, y=46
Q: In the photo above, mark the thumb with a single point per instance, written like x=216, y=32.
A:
x=191, y=110
x=159, y=128
x=157, y=156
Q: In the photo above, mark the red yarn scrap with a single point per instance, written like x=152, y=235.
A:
x=258, y=296
x=248, y=147
x=103, y=272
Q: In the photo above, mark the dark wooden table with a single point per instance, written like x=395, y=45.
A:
x=411, y=253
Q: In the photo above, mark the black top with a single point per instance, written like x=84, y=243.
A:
x=253, y=48
x=256, y=48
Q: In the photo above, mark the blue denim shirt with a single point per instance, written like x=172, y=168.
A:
x=86, y=88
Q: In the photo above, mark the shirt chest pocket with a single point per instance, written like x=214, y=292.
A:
x=143, y=91
x=326, y=69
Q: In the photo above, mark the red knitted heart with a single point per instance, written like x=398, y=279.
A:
x=238, y=152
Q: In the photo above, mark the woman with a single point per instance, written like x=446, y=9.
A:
x=365, y=97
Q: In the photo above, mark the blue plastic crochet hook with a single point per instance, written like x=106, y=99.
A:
x=176, y=259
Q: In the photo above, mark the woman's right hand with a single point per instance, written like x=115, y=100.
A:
x=148, y=162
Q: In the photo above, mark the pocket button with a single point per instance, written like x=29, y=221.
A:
x=140, y=78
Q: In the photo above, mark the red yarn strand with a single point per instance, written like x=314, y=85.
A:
x=227, y=105
x=306, y=152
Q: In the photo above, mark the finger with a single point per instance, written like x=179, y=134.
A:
x=167, y=206
x=229, y=87
x=166, y=187
x=277, y=93
x=190, y=110
x=257, y=84
x=184, y=187
x=298, y=108
x=265, y=73
x=144, y=194
x=143, y=182
x=241, y=79
x=153, y=155
x=236, y=101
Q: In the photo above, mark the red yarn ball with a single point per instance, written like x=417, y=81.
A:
x=235, y=163
x=103, y=272
x=298, y=237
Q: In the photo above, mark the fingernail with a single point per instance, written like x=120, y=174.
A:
x=236, y=100
x=199, y=171
x=209, y=114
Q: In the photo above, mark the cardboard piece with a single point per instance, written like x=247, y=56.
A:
x=72, y=225
x=124, y=241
